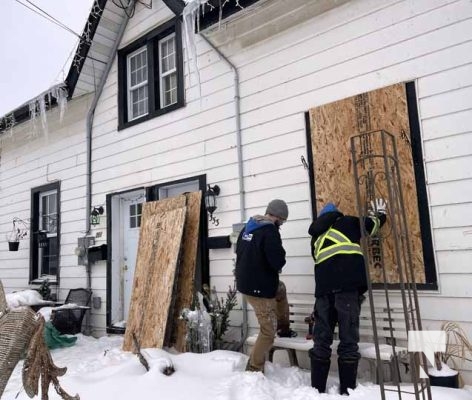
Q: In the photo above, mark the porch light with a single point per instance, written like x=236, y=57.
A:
x=95, y=215
x=210, y=202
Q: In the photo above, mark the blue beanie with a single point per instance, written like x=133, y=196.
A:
x=329, y=207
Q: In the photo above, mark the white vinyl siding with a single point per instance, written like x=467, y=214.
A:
x=357, y=47
x=137, y=83
x=167, y=71
x=31, y=161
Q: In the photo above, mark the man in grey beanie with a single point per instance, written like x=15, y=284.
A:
x=260, y=258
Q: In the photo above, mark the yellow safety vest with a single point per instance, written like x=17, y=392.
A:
x=342, y=244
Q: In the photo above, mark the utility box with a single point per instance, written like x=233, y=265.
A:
x=97, y=253
x=83, y=243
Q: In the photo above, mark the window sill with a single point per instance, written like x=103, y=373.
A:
x=39, y=281
x=157, y=113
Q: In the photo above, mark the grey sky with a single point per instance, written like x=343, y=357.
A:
x=33, y=51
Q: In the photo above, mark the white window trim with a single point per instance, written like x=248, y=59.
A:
x=41, y=195
x=41, y=275
x=130, y=88
x=172, y=71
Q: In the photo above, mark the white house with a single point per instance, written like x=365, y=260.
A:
x=240, y=124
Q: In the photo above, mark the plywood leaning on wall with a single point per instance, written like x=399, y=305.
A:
x=159, y=245
x=185, y=286
x=331, y=127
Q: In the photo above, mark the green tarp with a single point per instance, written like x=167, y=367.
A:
x=55, y=340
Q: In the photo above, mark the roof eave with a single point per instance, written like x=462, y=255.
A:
x=21, y=113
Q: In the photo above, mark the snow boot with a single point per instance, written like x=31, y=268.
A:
x=347, y=374
x=319, y=372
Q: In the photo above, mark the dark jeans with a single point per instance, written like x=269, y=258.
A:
x=342, y=308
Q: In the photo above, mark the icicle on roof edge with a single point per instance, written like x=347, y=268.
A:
x=38, y=107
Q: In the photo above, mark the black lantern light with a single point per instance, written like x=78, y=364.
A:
x=95, y=215
x=210, y=202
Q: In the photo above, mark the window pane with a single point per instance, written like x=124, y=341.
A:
x=52, y=228
x=44, y=205
x=138, y=68
x=132, y=222
x=167, y=54
x=139, y=101
x=169, y=87
x=52, y=203
x=133, y=63
x=49, y=259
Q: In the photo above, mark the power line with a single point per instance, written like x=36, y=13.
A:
x=48, y=17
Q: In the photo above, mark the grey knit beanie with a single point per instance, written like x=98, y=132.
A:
x=277, y=208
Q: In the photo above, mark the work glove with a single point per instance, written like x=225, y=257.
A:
x=379, y=206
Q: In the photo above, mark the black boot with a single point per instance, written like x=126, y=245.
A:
x=319, y=372
x=347, y=374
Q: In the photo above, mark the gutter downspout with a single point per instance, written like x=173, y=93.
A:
x=89, y=123
x=242, y=199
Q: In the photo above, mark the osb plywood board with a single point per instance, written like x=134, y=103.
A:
x=331, y=127
x=159, y=245
x=186, y=275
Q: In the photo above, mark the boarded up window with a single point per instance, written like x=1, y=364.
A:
x=330, y=128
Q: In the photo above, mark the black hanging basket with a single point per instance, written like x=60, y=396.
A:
x=13, y=246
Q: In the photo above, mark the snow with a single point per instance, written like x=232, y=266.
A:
x=444, y=371
x=99, y=370
x=24, y=298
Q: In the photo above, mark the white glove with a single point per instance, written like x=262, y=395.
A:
x=379, y=206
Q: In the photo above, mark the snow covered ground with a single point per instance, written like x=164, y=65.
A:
x=99, y=370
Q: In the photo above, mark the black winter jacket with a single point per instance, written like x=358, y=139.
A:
x=260, y=258
x=342, y=272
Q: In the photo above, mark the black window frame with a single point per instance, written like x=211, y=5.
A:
x=150, y=40
x=35, y=277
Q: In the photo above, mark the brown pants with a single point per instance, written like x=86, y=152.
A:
x=272, y=314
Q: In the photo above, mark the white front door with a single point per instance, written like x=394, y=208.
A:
x=126, y=220
x=131, y=211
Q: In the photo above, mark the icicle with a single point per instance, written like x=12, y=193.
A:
x=33, y=115
x=9, y=123
x=189, y=15
x=62, y=102
x=60, y=94
x=39, y=107
x=42, y=113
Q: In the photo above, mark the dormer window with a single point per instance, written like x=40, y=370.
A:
x=150, y=75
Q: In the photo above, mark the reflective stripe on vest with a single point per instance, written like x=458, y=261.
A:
x=342, y=245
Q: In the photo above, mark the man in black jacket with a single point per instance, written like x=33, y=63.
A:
x=340, y=278
x=260, y=258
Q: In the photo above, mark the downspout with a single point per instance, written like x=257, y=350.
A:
x=242, y=199
x=89, y=123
